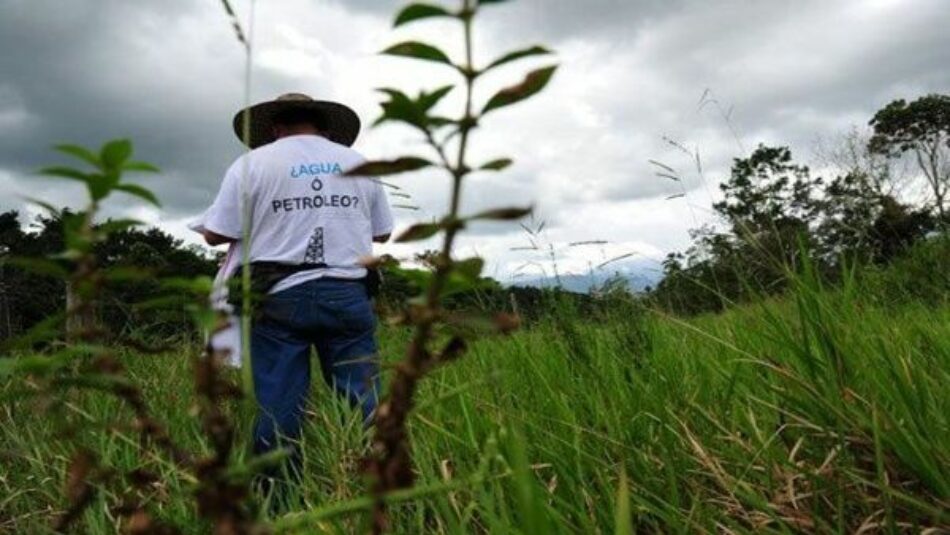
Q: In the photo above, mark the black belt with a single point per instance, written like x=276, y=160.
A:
x=265, y=275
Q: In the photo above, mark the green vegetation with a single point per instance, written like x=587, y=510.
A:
x=439, y=337
x=774, y=206
x=29, y=296
x=822, y=411
x=815, y=400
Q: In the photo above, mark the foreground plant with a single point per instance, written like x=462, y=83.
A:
x=89, y=360
x=390, y=463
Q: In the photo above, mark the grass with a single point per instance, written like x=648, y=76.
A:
x=817, y=412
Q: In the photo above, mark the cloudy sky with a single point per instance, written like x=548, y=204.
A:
x=715, y=77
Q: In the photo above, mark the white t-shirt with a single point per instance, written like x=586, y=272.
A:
x=301, y=209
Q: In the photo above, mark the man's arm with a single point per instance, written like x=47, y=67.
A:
x=222, y=221
x=380, y=215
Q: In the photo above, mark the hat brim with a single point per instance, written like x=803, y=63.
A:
x=339, y=122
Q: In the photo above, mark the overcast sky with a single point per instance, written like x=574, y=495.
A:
x=715, y=76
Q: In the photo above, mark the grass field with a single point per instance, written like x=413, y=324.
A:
x=819, y=412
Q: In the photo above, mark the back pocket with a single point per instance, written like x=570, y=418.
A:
x=355, y=312
x=279, y=309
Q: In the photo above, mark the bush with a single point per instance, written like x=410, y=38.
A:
x=920, y=275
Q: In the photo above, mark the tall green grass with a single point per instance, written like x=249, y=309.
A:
x=823, y=411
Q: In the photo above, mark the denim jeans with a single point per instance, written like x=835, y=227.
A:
x=336, y=317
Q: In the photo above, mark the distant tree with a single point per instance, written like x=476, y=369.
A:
x=850, y=154
x=897, y=228
x=920, y=128
x=765, y=188
x=770, y=204
x=861, y=224
x=773, y=206
x=28, y=297
x=854, y=198
x=851, y=205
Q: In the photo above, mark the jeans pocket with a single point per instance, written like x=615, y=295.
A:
x=279, y=309
x=355, y=313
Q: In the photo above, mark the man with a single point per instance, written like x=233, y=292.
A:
x=305, y=215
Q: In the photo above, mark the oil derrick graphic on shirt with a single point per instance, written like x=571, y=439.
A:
x=314, y=254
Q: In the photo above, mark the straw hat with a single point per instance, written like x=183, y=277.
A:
x=338, y=122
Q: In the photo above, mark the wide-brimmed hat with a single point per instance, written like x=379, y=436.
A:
x=338, y=122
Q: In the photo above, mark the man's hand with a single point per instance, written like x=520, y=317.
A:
x=382, y=239
x=213, y=238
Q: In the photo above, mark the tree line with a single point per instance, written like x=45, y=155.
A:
x=776, y=213
x=30, y=296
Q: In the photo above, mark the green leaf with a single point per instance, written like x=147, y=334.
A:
x=33, y=365
x=533, y=83
x=45, y=205
x=440, y=121
x=428, y=100
x=100, y=186
x=504, y=214
x=528, y=500
x=470, y=268
x=400, y=107
x=497, y=165
x=623, y=521
x=419, y=11
x=389, y=167
x=417, y=50
x=115, y=153
x=419, y=231
x=140, y=192
x=82, y=153
x=76, y=241
x=144, y=167
x=66, y=172
x=518, y=54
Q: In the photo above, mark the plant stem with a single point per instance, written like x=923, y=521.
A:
x=392, y=466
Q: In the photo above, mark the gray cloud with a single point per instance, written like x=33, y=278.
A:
x=553, y=19
x=85, y=74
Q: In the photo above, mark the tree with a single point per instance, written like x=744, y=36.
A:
x=920, y=128
x=773, y=209
x=771, y=203
x=28, y=297
x=765, y=188
x=896, y=229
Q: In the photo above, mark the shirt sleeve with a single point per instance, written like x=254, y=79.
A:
x=380, y=214
x=224, y=215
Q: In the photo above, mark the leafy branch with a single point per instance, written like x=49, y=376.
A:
x=90, y=361
x=390, y=463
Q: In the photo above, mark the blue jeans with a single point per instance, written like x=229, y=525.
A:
x=337, y=317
